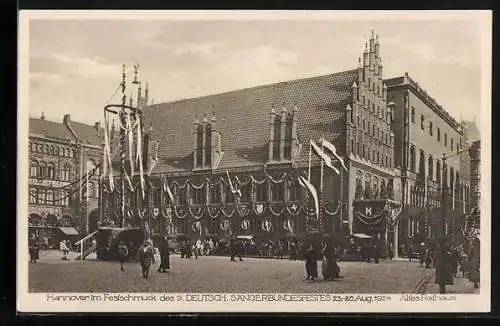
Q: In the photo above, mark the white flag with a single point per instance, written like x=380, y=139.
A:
x=166, y=188
x=233, y=189
x=332, y=149
x=139, y=154
x=324, y=157
x=306, y=184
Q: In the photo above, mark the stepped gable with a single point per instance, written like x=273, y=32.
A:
x=242, y=118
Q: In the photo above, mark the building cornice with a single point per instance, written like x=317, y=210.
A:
x=407, y=82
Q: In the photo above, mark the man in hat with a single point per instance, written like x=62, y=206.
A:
x=164, y=255
x=146, y=257
x=122, y=254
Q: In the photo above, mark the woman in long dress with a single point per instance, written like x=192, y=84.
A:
x=330, y=267
x=311, y=257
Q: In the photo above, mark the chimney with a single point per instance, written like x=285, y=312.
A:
x=97, y=126
x=43, y=116
x=67, y=120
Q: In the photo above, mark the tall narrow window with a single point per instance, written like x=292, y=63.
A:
x=422, y=121
x=430, y=174
x=208, y=146
x=50, y=197
x=445, y=139
x=413, y=114
x=288, y=139
x=438, y=172
x=215, y=197
x=439, y=134
x=430, y=128
x=277, y=191
x=50, y=171
x=412, y=159
x=34, y=169
x=246, y=193
x=277, y=138
x=261, y=192
x=293, y=193
x=451, y=144
x=199, y=147
x=33, y=196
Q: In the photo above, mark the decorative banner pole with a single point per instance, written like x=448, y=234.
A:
x=121, y=116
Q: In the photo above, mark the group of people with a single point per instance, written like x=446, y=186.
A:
x=146, y=255
x=330, y=267
x=448, y=260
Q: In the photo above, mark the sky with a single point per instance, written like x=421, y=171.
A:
x=75, y=65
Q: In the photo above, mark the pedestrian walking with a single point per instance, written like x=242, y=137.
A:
x=428, y=258
x=146, y=257
x=236, y=248
x=64, y=249
x=311, y=257
x=329, y=266
x=164, y=255
x=474, y=262
x=122, y=254
x=33, y=248
x=444, y=265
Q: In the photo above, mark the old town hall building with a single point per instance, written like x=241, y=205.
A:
x=229, y=164
x=255, y=142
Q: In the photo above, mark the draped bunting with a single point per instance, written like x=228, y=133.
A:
x=197, y=210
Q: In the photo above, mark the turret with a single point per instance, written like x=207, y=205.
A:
x=354, y=92
x=372, y=52
x=365, y=63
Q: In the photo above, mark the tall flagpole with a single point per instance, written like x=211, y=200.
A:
x=322, y=163
x=310, y=154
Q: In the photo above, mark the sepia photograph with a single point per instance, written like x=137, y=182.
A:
x=254, y=161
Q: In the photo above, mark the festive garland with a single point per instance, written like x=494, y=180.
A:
x=337, y=210
x=276, y=213
x=213, y=212
x=371, y=221
x=199, y=214
x=229, y=215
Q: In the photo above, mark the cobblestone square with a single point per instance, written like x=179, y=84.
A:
x=218, y=274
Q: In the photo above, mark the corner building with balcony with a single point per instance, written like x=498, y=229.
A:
x=60, y=154
x=424, y=133
x=260, y=137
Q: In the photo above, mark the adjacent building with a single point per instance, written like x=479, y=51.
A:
x=430, y=150
x=63, y=202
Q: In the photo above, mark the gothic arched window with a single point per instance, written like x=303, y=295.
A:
x=199, y=146
x=51, y=171
x=438, y=172
x=33, y=196
x=42, y=172
x=34, y=169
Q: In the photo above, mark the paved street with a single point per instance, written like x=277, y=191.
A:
x=218, y=274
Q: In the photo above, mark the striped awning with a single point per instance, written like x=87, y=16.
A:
x=69, y=230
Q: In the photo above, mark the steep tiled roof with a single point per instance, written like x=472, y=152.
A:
x=242, y=118
x=49, y=128
x=86, y=133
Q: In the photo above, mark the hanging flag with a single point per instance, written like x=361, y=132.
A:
x=233, y=189
x=333, y=150
x=306, y=184
x=139, y=155
x=166, y=189
x=107, y=152
x=324, y=157
x=130, y=143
